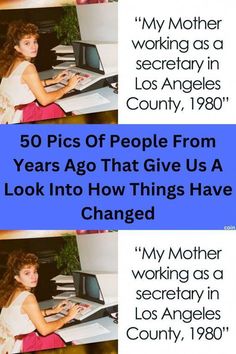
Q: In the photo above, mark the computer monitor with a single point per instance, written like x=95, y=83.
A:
x=96, y=57
x=87, y=287
x=97, y=287
x=87, y=57
x=98, y=252
x=98, y=22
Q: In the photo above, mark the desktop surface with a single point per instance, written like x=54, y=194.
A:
x=107, y=96
x=106, y=322
x=110, y=327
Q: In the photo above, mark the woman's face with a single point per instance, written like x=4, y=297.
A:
x=28, y=47
x=28, y=276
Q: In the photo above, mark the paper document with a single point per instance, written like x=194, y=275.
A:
x=79, y=103
x=63, y=49
x=64, y=65
x=64, y=295
x=67, y=57
x=77, y=333
x=66, y=287
x=63, y=279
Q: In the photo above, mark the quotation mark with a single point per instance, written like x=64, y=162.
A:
x=138, y=19
x=138, y=249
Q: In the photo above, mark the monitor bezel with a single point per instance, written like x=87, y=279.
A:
x=77, y=277
x=79, y=52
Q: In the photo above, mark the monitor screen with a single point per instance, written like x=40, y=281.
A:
x=91, y=287
x=98, y=252
x=91, y=58
x=87, y=57
x=87, y=287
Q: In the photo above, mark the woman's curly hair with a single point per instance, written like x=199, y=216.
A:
x=16, y=31
x=16, y=261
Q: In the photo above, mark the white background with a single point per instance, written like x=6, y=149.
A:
x=128, y=259
x=128, y=29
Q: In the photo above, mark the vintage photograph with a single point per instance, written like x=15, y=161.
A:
x=58, y=61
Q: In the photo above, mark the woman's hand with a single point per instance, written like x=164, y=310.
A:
x=31, y=78
x=73, y=312
x=73, y=81
x=60, y=306
x=61, y=76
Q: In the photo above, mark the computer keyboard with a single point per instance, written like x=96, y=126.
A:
x=83, y=309
x=85, y=78
x=66, y=308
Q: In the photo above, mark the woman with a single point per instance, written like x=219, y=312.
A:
x=21, y=86
x=22, y=323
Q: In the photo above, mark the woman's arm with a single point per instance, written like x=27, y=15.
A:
x=31, y=308
x=31, y=78
x=54, y=310
x=56, y=79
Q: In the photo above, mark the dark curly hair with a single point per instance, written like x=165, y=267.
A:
x=16, y=31
x=16, y=261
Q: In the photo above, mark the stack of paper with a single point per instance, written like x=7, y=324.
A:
x=65, y=54
x=64, y=295
x=64, y=283
x=63, y=279
x=63, y=49
x=79, y=333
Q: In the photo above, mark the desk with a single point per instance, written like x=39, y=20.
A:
x=106, y=92
x=106, y=322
